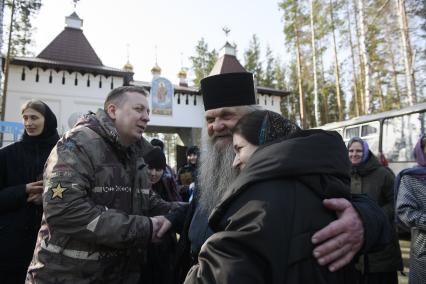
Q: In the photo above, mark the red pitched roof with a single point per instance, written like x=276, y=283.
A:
x=71, y=45
x=227, y=64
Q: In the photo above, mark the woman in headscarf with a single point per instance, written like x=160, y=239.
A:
x=411, y=211
x=21, y=186
x=265, y=221
x=370, y=177
x=159, y=268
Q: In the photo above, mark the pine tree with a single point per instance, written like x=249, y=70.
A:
x=364, y=53
x=314, y=64
x=252, y=60
x=294, y=22
x=407, y=52
x=22, y=27
x=268, y=77
x=355, y=104
x=339, y=96
x=291, y=103
x=203, y=61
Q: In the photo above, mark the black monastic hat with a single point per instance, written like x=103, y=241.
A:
x=228, y=90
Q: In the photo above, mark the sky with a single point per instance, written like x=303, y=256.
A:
x=167, y=29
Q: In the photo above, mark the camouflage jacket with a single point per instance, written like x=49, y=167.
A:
x=96, y=201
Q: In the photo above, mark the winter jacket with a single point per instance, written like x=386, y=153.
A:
x=411, y=210
x=21, y=163
x=264, y=224
x=96, y=201
x=377, y=182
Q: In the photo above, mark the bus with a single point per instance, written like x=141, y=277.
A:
x=391, y=135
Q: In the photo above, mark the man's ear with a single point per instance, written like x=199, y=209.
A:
x=111, y=110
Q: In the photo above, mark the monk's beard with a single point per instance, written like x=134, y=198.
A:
x=215, y=171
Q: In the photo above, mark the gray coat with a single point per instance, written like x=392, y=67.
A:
x=411, y=210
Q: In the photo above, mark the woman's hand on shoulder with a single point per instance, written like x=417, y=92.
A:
x=35, y=198
x=34, y=187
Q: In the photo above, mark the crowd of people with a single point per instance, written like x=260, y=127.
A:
x=260, y=201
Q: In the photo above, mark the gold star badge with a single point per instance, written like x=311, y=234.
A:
x=57, y=192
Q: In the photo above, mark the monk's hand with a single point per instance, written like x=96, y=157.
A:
x=339, y=242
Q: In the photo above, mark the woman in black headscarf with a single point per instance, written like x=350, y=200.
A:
x=159, y=267
x=21, y=186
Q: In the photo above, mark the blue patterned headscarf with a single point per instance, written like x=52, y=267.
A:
x=419, y=152
x=365, y=148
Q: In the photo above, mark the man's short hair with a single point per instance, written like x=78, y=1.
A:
x=116, y=96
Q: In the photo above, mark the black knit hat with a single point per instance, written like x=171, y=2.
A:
x=155, y=158
x=158, y=143
x=228, y=90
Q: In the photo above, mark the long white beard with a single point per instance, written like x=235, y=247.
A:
x=215, y=172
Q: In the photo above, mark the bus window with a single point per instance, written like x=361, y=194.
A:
x=369, y=129
x=400, y=134
x=351, y=132
x=370, y=133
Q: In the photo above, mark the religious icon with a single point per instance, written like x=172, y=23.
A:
x=162, y=92
x=162, y=96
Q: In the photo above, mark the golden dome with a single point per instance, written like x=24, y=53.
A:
x=182, y=73
x=128, y=67
x=156, y=69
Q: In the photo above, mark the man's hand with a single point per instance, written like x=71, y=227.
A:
x=160, y=225
x=165, y=226
x=339, y=242
x=35, y=198
x=34, y=187
x=155, y=227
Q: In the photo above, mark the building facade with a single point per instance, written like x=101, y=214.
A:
x=70, y=77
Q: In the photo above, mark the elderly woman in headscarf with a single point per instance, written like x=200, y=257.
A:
x=265, y=221
x=21, y=186
x=368, y=176
x=411, y=210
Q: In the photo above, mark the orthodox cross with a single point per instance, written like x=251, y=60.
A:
x=156, y=63
x=181, y=59
x=226, y=30
x=128, y=52
x=75, y=3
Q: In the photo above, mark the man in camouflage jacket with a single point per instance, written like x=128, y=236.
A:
x=97, y=198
